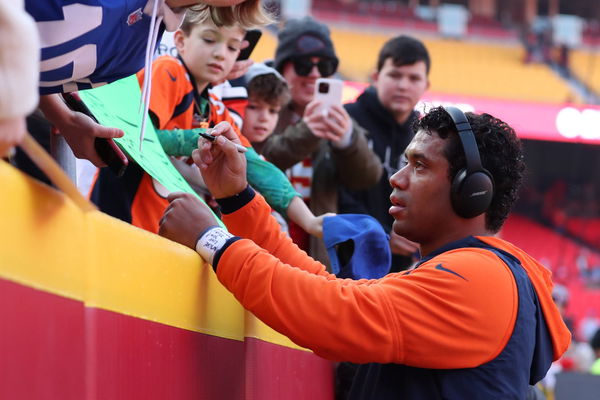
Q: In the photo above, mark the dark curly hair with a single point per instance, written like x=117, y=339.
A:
x=270, y=89
x=500, y=150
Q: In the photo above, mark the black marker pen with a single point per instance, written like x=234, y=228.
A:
x=212, y=138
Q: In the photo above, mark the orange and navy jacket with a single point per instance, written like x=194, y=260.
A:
x=135, y=197
x=474, y=320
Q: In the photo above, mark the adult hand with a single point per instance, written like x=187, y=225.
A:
x=80, y=132
x=185, y=218
x=338, y=123
x=401, y=245
x=315, y=119
x=332, y=123
x=239, y=69
x=221, y=165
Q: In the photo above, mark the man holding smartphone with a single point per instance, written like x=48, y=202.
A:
x=387, y=110
x=322, y=150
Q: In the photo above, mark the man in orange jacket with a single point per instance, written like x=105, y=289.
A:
x=474, y=320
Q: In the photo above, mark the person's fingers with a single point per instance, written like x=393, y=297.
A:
x=311, y=107
x=164, y=223
x=224, y=128
x=243, y=65
x=206, y=152
x=337, y=119
x=244, y=44
x=335, y=126
x=239, y=69
x=161, y=222
x=337, y=114
x=197, y=157
x=227, y=147
x=319, y=130
x=326, y=131
x=108, y=133
x=175, y=195
x=339, y=109
x=220, y=128
x=162, y=228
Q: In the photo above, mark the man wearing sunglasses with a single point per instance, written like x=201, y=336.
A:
x=321, y=151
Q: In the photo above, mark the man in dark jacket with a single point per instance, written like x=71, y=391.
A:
x=387, y=111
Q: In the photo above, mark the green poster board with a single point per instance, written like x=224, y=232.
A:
x=118, y=105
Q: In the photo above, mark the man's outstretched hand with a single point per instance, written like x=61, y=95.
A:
x=222, y=166
x=185, y=219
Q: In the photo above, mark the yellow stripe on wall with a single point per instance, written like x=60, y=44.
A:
x=49, y=244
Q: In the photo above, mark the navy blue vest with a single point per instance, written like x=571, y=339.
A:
x=523, y=362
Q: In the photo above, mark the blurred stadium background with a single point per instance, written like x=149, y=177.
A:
x=534, y=63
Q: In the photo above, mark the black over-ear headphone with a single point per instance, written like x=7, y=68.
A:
x=472, y=187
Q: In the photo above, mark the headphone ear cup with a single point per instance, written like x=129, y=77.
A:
x=471, y=195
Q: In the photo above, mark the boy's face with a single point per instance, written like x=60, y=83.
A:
x=260, y=120
x=400, y=88
x=209, y=52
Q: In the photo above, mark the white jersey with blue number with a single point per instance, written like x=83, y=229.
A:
x=87, y=43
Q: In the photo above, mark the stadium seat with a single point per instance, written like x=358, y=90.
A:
x=585, y=65
x=460, y=67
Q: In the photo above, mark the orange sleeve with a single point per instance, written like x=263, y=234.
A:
x=423, y=318
x=270, y=237
x=169, y=83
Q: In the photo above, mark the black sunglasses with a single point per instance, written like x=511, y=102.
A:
x=326, y=66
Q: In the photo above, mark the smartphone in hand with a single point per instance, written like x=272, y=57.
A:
x=112, y=155
x=328, y=91
x=252, y=36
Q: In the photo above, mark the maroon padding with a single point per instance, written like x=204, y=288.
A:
x=41, y=345
x=52, y=347
x=277, y=372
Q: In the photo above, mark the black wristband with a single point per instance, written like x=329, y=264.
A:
x=234, y=203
